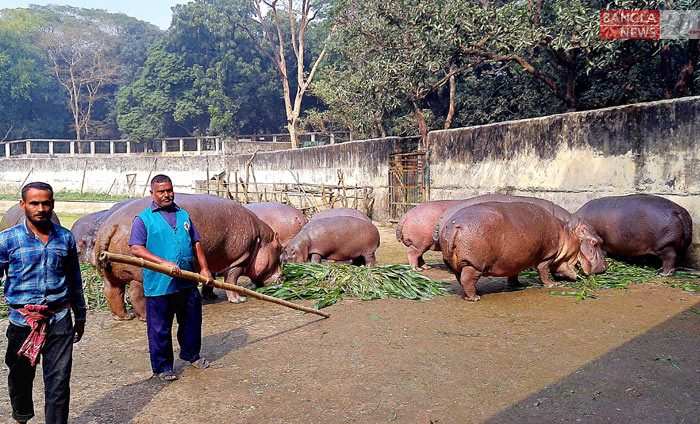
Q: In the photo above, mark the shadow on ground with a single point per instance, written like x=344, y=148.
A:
x=654, y=378
x=123, y=404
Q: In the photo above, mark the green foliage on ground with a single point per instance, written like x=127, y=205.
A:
x=619, y=275
x=329, y=283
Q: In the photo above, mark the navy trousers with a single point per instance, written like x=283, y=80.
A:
x=56, y=363
x=186, y=306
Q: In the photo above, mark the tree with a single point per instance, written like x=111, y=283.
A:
x=267, y=32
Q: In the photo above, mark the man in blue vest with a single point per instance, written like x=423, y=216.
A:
x=164, y=234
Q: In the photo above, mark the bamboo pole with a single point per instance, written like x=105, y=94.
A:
x=133, y=260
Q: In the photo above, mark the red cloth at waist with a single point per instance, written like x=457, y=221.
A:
x=37, y=316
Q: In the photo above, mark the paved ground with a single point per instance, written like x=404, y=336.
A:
x=524, y=356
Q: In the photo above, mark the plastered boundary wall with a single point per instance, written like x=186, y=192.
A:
x=364, y=163
x=572, y=158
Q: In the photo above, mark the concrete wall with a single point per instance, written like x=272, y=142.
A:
x=364, y=163
x=571, y=158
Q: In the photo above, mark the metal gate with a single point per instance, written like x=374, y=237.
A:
x=409, y=182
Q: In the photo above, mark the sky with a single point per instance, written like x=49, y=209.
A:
x=154, y=11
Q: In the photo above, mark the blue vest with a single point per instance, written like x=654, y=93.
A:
x=174, y=245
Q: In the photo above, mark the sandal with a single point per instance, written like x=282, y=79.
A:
x=200, y=363
x=168, y=375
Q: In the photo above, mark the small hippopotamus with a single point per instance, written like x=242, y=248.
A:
x=415, y=230
x=503, y=239
x=641, y=225
x=284, y=220
x=15, y=215
x=84, y=231
x=590, y=241
x=338, y=238
x=341, y=212
x=234, y=240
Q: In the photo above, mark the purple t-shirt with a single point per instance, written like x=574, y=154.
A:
x=138, y=228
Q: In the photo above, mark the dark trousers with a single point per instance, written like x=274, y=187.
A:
x=56, y=363
x=186, y=306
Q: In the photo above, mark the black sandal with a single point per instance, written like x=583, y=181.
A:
x=168, y=375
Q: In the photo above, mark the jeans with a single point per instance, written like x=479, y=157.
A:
x=56, y=363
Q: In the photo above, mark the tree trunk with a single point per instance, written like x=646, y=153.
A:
x=666, y=72
x=685, y=79
x=453, y=94
x=421, y=124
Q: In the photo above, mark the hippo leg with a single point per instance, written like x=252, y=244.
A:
x=415, y=258
x=358, y=261
x=468, y=278
x=138, y=299
x=232, y=278
x=543, y=270
x=668, y=256
x=114, y=293
x=370, y=260
x=316, y=258
x=514, y=282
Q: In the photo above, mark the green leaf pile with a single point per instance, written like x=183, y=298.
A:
x=329, y=283
x=619, y=275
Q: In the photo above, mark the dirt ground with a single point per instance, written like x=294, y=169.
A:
x=514, y=357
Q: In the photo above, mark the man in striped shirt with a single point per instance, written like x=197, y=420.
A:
x=40, y=262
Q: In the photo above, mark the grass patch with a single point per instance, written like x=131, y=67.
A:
x=329, y=283
x=619, y=275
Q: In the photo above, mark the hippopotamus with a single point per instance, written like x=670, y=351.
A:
x=641, y=225
x=84, y=231
x=415, y=230
x=15, y=215
x=339, y=238
x=502, y=239
x=590, y=241
x=234, y=240
x=341, y=212
x=285, y=220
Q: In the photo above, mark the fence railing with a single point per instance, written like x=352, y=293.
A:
x=206, y=145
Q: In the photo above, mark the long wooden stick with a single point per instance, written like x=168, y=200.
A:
x=133, y=260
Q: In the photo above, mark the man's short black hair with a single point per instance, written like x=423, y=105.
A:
x=160, y=178
x=37, y=185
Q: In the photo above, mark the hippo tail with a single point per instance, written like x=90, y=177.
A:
x=436, y=235
x=687, y=223
x=103, y=246
x=399, y=231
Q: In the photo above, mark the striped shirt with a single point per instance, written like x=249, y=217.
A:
x=41, y=274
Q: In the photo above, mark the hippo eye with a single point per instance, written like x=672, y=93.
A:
x=594, y=242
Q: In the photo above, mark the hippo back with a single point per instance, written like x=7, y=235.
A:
x=284, y=220
x=15, y=215
x=340, y=212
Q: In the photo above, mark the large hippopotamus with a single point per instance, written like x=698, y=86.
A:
x=590, y=241
x=15, y=215
x=285, y=220
x=340, y=212
x=415, y=230
x=503, y=239
x=641, y=225
x=85, y=230
x=234, y=240
x=339, y=238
